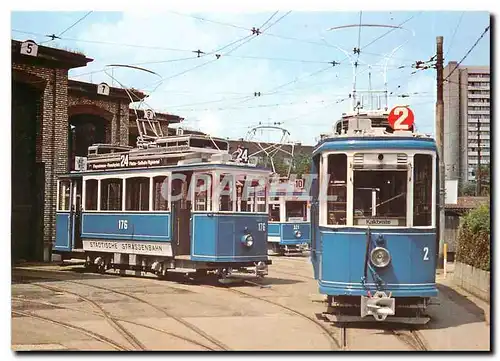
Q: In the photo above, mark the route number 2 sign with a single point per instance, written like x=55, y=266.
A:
x=401, y=118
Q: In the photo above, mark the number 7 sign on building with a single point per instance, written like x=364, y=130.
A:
x=401, y=118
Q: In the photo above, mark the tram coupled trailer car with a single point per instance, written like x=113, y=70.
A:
x=168, y=207
x=374, y=242
x=289, y=218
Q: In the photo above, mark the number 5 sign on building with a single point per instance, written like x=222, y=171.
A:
x=401, y=118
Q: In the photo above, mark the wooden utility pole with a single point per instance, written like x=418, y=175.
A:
x=440, y=144
x=478, y=172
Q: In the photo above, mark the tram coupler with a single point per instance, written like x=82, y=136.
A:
x=261, y=269
x=379, y=306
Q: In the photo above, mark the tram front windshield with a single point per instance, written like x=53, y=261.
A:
x=296, y=211
x=380, y=197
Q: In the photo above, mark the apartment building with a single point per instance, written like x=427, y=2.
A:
x=466, y=120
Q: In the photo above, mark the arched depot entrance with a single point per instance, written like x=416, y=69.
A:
x=27, y=177
x=85, y=129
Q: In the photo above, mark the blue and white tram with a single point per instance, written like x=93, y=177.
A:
x=163, y=208
x=374, y=239
x=289, y=220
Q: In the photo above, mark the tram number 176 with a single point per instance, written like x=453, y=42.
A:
x=262, y=227
x=122, y=224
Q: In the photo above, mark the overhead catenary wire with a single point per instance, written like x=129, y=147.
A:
x=468, y=52
x=58, y=36
x=454, y=33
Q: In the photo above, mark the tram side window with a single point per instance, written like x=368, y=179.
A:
x=257, y=200
x=160, y=193
x=274, y=212
x=137, y=194
x=111, y=195
x=64, y=193
x=91, y=195
x=243, y=203
x=226, y=192
x=422, y=190
x=296, y=211
x=203, y=192
x=337, y=189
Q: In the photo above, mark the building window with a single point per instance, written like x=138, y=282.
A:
x=137, y=193
x=111, y=194
x=91, y=195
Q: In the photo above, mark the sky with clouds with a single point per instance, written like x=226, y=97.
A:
x=288, y=63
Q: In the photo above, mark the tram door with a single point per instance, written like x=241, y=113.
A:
x=68, y=225
x=181, y=213
x=76, y=213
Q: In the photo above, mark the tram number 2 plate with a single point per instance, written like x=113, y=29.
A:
x=426, y=253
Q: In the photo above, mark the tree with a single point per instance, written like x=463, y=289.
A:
x=301, y=164
x=468, y=189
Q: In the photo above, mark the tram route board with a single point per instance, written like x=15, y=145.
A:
x=126, y=162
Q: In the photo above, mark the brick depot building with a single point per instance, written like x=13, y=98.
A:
x=55, y=119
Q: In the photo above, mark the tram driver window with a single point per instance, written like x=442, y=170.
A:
x=111, y=195
x=422, y=190
x=91, y=195
x=137, y=194
x=160, y=193
x=296, y=211
x=226, y=192
x=387, y=189
x=337, y=189
x=64, y=193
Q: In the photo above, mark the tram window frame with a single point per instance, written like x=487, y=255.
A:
x=242, y=203
x=382, y=176
x=91, y=194
x=256, y=202
x=276, y=208
x=422, y=188
x=336, y=197
x=229, y=199
x=204, y=195
x=63, y=203
x=105, y=195
x=137, y=198
x=160, y=194
x=303, y=211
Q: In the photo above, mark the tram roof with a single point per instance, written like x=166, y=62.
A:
x=383, y=142
x=177, y=168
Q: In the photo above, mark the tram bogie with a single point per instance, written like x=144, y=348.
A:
x=374, y=245
x=186, y=206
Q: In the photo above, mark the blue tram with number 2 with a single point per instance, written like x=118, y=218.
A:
x=182, y=203
x=374, y=233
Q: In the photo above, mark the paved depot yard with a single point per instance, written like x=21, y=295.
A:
x=56, y=308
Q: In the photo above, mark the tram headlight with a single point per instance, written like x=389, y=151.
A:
x=298, y=234
x=380, y=257
x=247, y=240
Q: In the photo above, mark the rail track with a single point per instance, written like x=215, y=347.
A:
x=94, y=335
x=217, y=343
x=183, y=338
